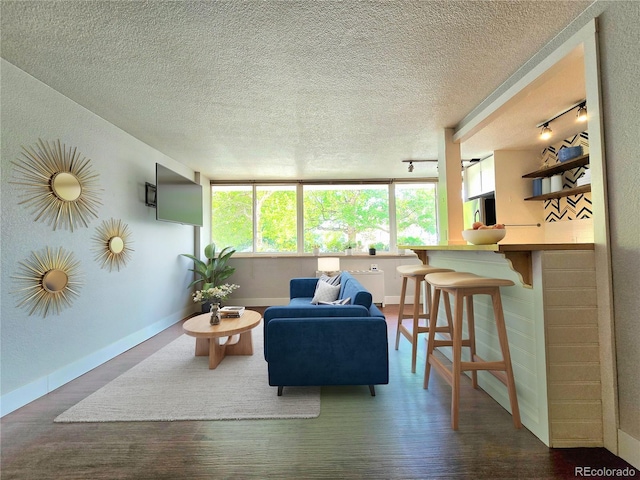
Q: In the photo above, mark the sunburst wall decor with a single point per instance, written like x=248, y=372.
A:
x=112, y=244
x=58, y=184
x=49, y=280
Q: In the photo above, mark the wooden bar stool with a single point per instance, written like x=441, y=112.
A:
x=463, y=286
x=417, y=274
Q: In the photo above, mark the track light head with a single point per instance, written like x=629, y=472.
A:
x=546, y=132
x=582, y=113
x=419, y=160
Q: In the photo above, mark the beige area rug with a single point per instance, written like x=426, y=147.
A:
x=174, y=384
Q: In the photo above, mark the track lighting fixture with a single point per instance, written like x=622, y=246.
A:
x=581, y=116
x=582, y=112
x=546, y=132
x=412, y=166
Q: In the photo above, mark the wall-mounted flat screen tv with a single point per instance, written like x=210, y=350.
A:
x=178, y=199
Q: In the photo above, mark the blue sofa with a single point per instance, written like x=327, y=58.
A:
x=313, y=345
x=301, y=291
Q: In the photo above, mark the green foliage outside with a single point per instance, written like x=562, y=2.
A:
x=276, y=220
x=232, y=218
x=334, y=217
x=416, y=214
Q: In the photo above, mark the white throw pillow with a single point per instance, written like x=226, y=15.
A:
x=330, y=280
x=325, y=293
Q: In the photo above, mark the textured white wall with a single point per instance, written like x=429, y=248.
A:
x=619, y=53
x=114, y=310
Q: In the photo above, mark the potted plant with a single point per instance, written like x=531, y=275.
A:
x=348, y=249
x=215, y=270
x=372, y=249
x=316, y=249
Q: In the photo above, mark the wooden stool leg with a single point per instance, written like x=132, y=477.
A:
x=447, y=310
x=433, y=318
x=427, y=296
x=506, y=356
x=457, y=357
x=401, y=309
x=472, y=338
x=416, y=321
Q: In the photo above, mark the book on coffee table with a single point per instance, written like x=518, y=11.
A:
x=231, y=312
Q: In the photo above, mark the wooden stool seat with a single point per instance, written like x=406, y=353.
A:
x=417, y=273
x=465, y=280
x=463, y=285
x=412, y=270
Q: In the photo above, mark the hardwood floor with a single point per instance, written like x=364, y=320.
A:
x=402, y=433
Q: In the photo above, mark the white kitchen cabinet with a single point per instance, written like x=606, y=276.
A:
x=487, y=175
x=479, y=178
x=472, y=181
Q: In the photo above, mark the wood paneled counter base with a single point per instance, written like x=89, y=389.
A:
x=208, y=336
x=518, y=255
x=551, y=316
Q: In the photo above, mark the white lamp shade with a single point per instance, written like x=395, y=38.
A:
x=328, y=264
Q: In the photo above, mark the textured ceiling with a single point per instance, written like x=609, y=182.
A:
x=284, y=90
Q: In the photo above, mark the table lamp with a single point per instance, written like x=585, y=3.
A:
x=329, y=265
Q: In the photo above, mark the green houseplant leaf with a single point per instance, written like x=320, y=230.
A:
x=215, y=270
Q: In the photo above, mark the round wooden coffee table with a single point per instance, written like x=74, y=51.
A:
x=208, y=336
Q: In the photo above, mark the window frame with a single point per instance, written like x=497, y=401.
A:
x=391, y=190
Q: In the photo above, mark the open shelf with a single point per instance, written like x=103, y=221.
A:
x=580, y=161
x=562, y=193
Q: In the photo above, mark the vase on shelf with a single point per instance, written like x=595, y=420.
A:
x=215, y=314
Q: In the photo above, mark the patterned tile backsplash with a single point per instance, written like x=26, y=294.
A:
x=573, y=207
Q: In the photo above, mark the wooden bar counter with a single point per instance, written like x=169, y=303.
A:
x=551, y=315
x=519, y=255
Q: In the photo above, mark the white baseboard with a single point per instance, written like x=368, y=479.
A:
x=32, y=391
x=395, y=300
x=629, y=448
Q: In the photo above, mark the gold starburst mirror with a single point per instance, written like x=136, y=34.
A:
x=49, y=281
x=112, y=242
x=58, y=184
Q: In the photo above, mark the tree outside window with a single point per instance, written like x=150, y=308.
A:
x=232, y=217
x=416, y=214
x=234, y=213
x=346, y=215
x=263, y=218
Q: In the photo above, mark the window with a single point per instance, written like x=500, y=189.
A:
x=416, y=214
x=232, y=217
x=236, y=209
x=297, y=217
x=346, y=215
x=276, y=219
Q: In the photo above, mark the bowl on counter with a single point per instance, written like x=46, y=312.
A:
x=486, y=236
